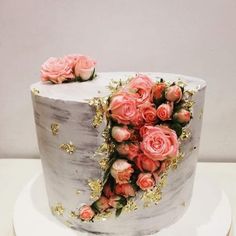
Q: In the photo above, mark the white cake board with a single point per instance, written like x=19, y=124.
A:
x=209, y=213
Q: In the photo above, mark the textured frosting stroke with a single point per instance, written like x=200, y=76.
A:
x=67, y=143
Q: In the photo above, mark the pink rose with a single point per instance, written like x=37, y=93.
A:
x=148, y=112
x=133, y=151
x=137, y=120
x=107, y=190
x=145, y=181
x=102, y=204
x=86, y=213
x=144, y=129
x=121, y=171
x=115, y=201
x=56, y=70
x=72, y=59
x=120, y=134
x=174, y=93
x=141, y=85
x=158, y=90
x=84, y=67
x=164, y=111
x=159, y=143
x=123, y=108
x=125, y=190
x=130, y=150
x=182, y=116
x=123, y=149
x=146, y=164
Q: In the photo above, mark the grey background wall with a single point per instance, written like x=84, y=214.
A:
x=189, y=37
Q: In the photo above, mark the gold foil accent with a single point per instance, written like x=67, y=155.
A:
x=78, y=192
x=175, y=161
x=130, y=206
x=35, y=91
x=100, y=105
x=58, y=209
x=68, y=224
x=104, y=163
x=96, y=188
x=155, y=195
x=181, y=83
x=74, y=215
x=103, y=215
x=188, y=104
x=68, y=147
x=55, y=128
x=186, y=134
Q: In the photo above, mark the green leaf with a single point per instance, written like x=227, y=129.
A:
x=118, y=211
x=177, y=128
x=95, y=208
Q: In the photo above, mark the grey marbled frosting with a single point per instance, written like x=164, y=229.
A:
x=65, y=174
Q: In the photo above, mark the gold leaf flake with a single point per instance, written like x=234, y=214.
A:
x=130, y=206
x=186, y=134
x=55, y=128
x=175, y=161
x=68, y=147
x=74, y=215
x=181, y=83
x=100, y=105
x=68, y=224
x=188, y=104
x=35, y=91
x=151, y=196
x=96, y=188
x=78, y=192
x=58, y=209
x=103, y=215
x=103, y=162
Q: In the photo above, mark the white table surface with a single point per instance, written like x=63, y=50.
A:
x=15, y=173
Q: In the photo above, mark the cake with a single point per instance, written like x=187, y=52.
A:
x=118, y=149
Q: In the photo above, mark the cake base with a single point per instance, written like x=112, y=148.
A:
x=208, y=214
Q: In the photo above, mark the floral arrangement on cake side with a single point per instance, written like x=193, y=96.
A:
x=69, y=68
x=145, y=120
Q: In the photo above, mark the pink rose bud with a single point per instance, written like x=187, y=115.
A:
x=84, y=67
x=164, y=111
x=86, y=213
x=125, y=190
x=182, y=116
x=174, y=93
x=145, y=181
x=121, y=171
x=116, y=201
x=107, y=190
x=133, y=151
x=123, y=149
x=158, y=90
x=120, y=134
x=146, y=164
x=102, y=204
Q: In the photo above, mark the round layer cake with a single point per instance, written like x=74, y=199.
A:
x=73, y=169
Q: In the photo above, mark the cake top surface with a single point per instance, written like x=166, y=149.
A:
x=98, y=87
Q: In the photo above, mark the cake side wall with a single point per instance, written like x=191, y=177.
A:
x=65, y=173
